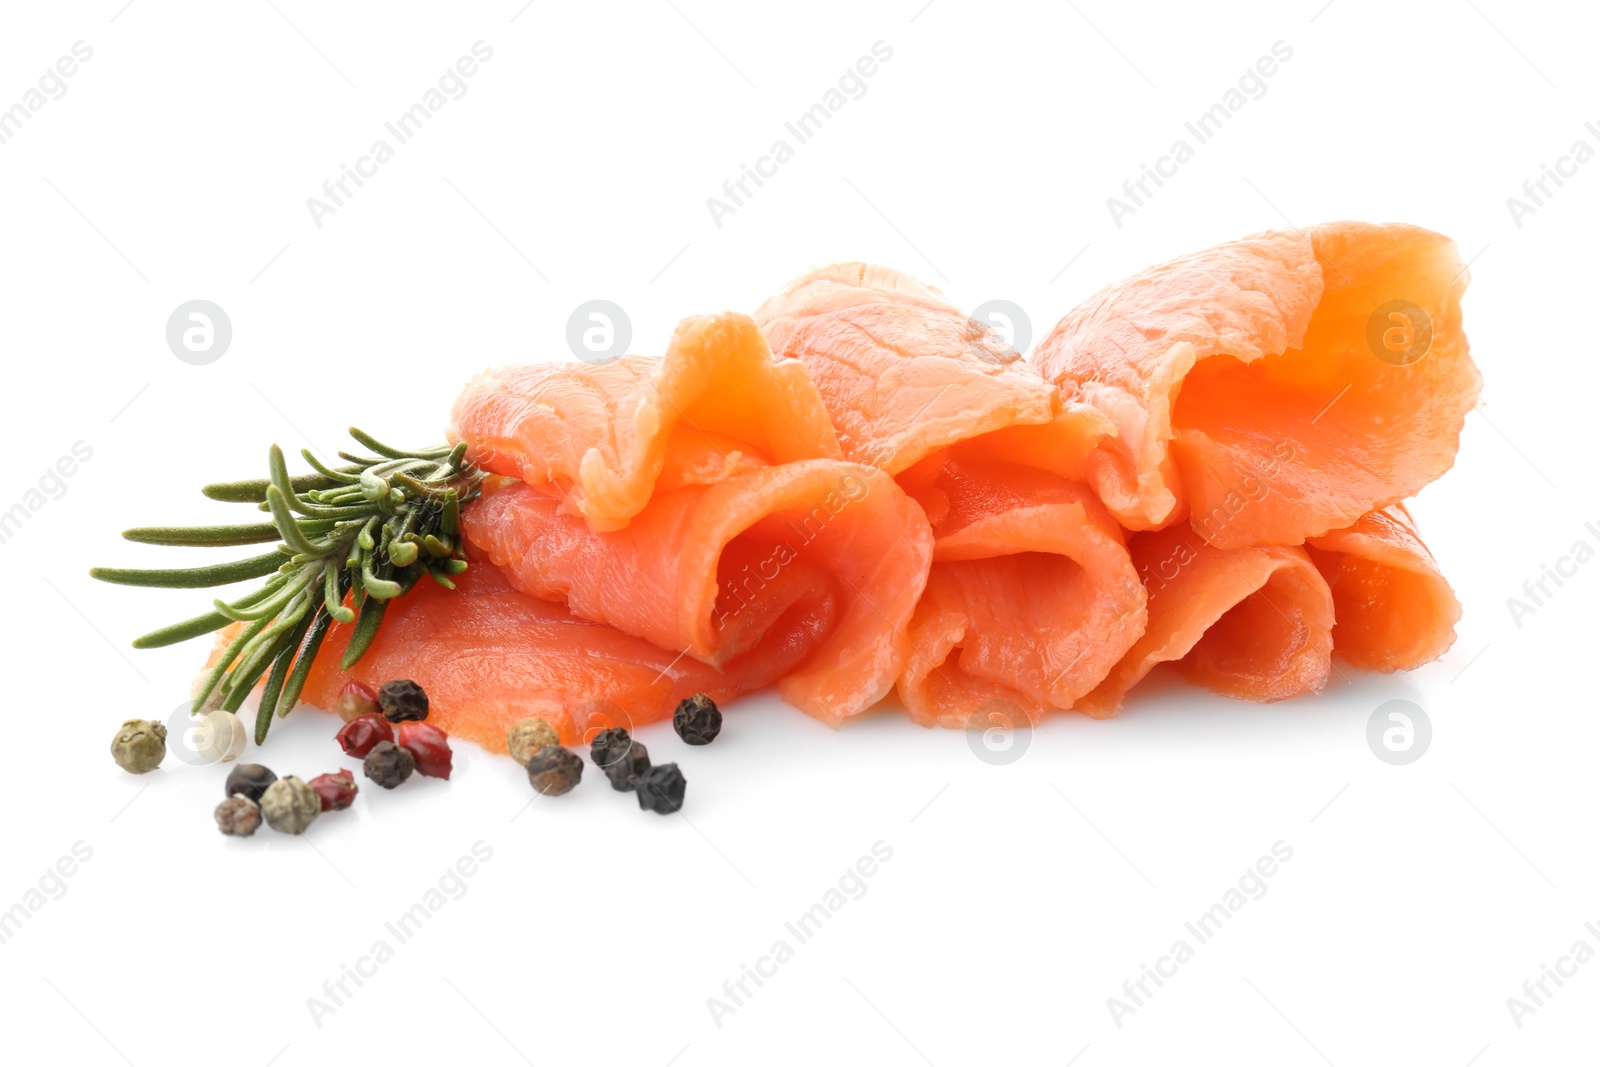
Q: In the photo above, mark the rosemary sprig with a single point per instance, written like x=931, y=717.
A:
x=365, y=533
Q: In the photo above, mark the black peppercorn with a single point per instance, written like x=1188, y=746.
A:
x=388, y=764
x=554, y=770
x=624, y=772
x=403, y=700
x=609, y=746
x=248, y=780
x=697, y=720
x=660, y=789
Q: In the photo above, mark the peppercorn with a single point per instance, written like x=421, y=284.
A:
x=529, y=736
x=625, y=772
x=609, y=746
x=697, y=720
x=358, y=735
x=388, y=764
x=219, y=737
x=403, y=700
x=660, y=789
x=238, y=816
x=428, y=745
x=355, y=700
x=248, y=780
x=290, y=805
x=337, y=791
x=140, y=745
x=554, y=770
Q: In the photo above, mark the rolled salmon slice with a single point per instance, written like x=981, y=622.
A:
x=904, y=373
x=817, y=562
x=488, y=656
x=1031, y=599
x=1393, y=610
x=1254, y=623
x=600, y=436
x=1277, y=387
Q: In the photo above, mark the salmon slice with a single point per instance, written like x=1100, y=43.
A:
x=1031, y=599
x=1254, y=623
x=600, y=435
x=818, y=561
x=488, y=656
x=1274, y=388
x=904, y=374
x=1394, y=611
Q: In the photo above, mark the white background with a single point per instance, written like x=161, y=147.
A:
x=577, y=166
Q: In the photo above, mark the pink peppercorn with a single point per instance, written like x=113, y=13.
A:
x=358, y=735
x=355, y=700
x=337, y=790
x=429, y=746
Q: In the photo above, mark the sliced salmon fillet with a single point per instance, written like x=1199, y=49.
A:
x=1393, y=610
x=1254, y=623
x=599, y=435
x=1031, y=598
x=488, y=656
x=1265, y=388
x=904, y=374
x=817, y=561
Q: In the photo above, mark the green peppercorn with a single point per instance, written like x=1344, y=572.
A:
x=403, y=700
x=697, y=720
x=140, y=745
x=238, y=816
x=388, y=764
x=290, y=805
x=554, y=770
x=529, y=736
x=248, y=780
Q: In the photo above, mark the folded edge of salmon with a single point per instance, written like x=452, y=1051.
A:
x=821, y=556
x=1032, y=597
x=1265, y=388
x=1253, y=623
x=601, y=433
x=1393, y=609
x=904, y=373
